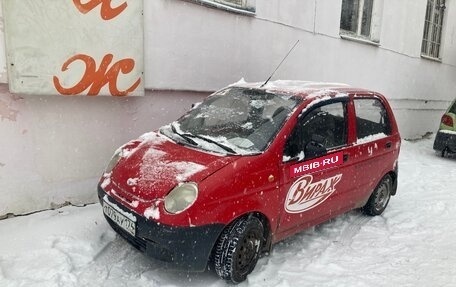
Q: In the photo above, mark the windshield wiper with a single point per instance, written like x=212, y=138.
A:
x=188, y=137
x=184, y=136
x=225, y=147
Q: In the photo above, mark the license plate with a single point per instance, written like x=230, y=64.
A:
x=121, y=220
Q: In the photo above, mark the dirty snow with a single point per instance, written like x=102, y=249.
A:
x=411, y=244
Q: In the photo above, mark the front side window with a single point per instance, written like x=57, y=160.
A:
x=318, y=131
x=433, y=24
x=371, y=118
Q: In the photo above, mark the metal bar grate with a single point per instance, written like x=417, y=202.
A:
x=433, y=25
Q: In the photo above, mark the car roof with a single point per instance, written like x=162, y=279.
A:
x=304, y=89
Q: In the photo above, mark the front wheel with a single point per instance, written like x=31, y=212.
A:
x=380, y=197
x=238, y=249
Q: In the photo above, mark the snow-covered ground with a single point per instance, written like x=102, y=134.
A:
x=412, y=244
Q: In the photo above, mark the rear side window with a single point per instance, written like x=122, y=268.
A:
x=371, y=118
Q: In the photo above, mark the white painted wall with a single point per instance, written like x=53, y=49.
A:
x=203, y=49
x=53, y=149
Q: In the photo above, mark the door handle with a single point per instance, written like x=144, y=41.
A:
x=346, y=156
x=388, y=145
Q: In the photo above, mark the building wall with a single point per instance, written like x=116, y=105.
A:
x=53, y=148
x=204, y=49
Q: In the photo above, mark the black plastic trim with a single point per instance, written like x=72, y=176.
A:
x=445, y=140
x=182, y=248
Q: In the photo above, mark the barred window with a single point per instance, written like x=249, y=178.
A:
x=432, y=35
x=356, y=17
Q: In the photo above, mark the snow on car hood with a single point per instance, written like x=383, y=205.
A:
x=153, y=165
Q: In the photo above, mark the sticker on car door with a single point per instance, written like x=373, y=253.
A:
x=317, y=164
x=306, y=194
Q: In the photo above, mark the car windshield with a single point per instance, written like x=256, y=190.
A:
x=234, y=120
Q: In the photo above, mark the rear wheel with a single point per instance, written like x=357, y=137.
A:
x=380, y=197
x=238, y=249
x=445, y=152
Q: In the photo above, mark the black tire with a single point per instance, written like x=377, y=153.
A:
x=238, y=249
x=380, y=197
x=445, y=152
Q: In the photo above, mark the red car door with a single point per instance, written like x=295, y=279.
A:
x=376, y=146
x=316, y=172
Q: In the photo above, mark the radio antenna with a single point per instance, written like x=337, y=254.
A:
x=283, y=60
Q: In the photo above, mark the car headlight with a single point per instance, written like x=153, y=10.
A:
x=114, y=160
x=181, y=198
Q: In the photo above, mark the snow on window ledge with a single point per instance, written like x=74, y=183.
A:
x=431, y=58
x=355, y=38
x=371, y=138
x=248, y=11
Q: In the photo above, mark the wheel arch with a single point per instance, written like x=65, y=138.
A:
x=267, y=232
x=394, y=177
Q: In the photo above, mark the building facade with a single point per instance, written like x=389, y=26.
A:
x=54, y=148
x=404, y=49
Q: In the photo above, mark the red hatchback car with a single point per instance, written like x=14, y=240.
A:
x=248, y=167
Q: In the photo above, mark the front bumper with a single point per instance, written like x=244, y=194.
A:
x=445, y=140
x=183, y=248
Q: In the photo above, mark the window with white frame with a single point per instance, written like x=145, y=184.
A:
x=361, y=19
x=432, y=35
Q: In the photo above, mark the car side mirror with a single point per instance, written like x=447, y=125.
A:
x=315, y=147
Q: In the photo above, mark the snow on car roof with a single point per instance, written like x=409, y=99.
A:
x=300, y=88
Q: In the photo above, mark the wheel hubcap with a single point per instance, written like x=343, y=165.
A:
x=383, y=194
x=248, y=251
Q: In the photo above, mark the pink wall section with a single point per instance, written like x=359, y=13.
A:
x=54, y=148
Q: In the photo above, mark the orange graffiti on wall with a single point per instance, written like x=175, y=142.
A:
x=96, y=79
x=107, y=11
